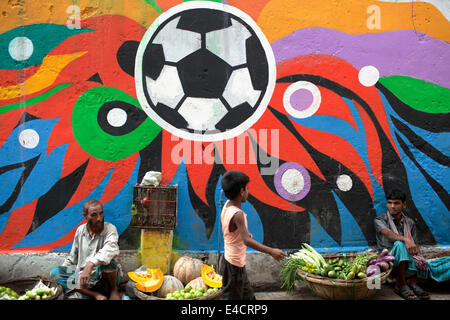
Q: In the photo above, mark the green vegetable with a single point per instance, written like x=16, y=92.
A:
x=362, y=275
x=288, y=272
x=332, y=274
x=351, y=275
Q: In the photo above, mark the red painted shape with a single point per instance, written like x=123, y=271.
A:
x=7, y=123
x=15, y=77
x=95, y=172
x=341, y=72
x=18, y=224
x=65, y=240
x=171, y=156
x=257, y=186
x=121, y=174
x=286, y=144
x=167, y=4
x=251, y=7
x=199, y=170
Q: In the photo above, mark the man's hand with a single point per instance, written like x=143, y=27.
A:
x=277, y=254
x=411, y=247
x=85, y=275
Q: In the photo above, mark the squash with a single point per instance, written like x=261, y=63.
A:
x=170, y=284
x=198, y=283
x=210, y=277
x=187, y=269
x=139, y=276
x=152, y=284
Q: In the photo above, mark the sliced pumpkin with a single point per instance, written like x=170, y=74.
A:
x=210, y=277
x=139, y=277
x=153, y=283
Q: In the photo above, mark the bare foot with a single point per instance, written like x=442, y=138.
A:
x=100, y=297
x=114, y=295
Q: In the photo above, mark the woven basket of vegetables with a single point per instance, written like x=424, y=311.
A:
x=340, y=276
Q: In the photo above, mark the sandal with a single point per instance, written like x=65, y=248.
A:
x=419, y=292
x=406, y=293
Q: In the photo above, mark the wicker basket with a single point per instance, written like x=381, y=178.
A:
x=338, y=289
x=143, y=296
x=22, y=285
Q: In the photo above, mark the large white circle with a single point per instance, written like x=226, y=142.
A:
x=29, y=138
x=20, y=48
x=116, y=117
x=306, y=112
x=344, y=182
x=368, y=76
x=213, y=136
x=292, y=181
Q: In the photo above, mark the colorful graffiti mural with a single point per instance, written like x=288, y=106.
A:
x=324, y=105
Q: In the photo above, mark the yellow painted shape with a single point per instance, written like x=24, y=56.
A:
x=280, y=18
x=27, y=12
x=156, y=249
x=43, y=78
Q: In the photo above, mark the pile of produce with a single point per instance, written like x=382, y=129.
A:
x=8, y=294
x=190, y=293
x=191, y=279
x=309, y=260
x=40, y=291
x=37, y=294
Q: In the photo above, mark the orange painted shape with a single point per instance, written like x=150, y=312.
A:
x=282, y=17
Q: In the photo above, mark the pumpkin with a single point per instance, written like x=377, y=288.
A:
x=170, y=284
x=152, y=284
x=198, y=283
x=187, y=269
x=210, y=277
x=140, y=276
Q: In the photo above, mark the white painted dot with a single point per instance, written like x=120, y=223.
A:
x=344, y=182
x=368, y=76
x=305, y=111
x=29, y=138
x=117, y=117
x=20, y=48
x=293, y=181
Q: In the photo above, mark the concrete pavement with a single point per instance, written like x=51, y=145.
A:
x=437, y=291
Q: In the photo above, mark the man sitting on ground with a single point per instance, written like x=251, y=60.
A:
x=396, y=231
x=91, y=260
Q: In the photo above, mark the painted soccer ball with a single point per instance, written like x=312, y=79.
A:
x=204, y=71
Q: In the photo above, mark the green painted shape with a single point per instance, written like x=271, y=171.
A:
x=45, y=37
x=419, y=94
x=32, y=101
x=97, y=142
x=154, y=5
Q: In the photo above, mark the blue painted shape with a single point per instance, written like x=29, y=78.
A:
x=45, y=174
x=118, y=210
x=13, y=152
x=431, y=208
x=319, y=238
x=351, y=232
x=8, y=182
x=60, y=224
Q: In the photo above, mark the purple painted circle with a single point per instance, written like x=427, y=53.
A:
x=282, y=191
x=301, y=99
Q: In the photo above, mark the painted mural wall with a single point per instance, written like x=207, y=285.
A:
x=324, y=104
